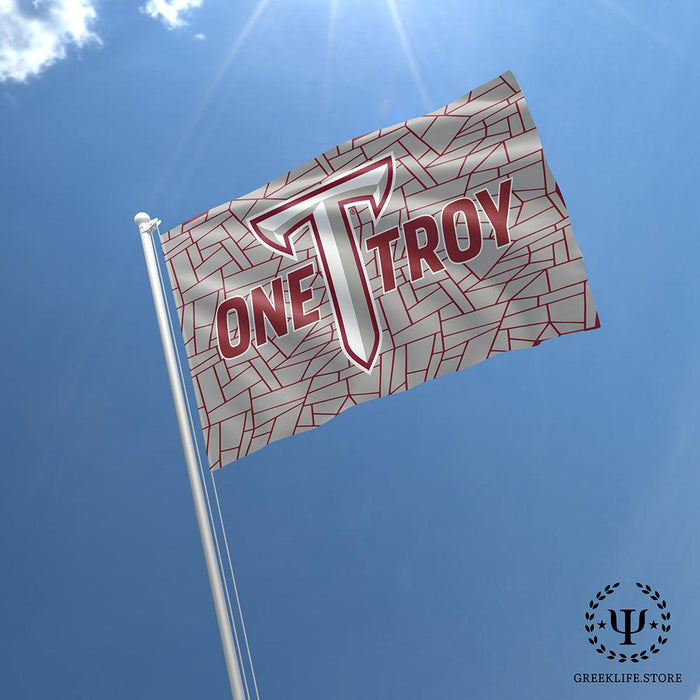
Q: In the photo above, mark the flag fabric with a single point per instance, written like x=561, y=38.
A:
x=400, y=256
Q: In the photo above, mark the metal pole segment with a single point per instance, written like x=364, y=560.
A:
x=146, y=226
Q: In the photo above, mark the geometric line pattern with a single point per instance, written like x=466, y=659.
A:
x=504, y=299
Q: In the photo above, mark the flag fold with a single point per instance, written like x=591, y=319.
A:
x=400, y=256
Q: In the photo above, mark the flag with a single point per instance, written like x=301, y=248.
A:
x=400, y=256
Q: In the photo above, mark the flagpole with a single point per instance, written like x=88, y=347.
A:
x=146, y=226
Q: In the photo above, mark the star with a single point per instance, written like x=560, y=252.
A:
x=653, y=624
x=601, y=624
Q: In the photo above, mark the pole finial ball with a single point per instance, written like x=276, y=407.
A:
x=141, y=218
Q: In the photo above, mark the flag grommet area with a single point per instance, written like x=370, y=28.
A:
x=403, y=255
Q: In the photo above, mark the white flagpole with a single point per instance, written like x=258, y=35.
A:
x=146, y=227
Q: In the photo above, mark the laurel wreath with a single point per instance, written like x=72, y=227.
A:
x=637, y=656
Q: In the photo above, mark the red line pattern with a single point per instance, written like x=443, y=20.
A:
x=504, y=299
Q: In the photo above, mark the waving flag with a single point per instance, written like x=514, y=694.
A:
x=402, y=255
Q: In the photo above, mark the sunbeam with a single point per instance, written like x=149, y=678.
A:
x=333, y=16
x=408, y=52
x=632, y=19
x=203, y=103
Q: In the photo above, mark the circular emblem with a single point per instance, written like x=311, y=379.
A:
x=631, y=633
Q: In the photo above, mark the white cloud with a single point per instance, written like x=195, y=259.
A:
x=696, y=694
x=170, y=12
x=200, y=37
x=37, y=34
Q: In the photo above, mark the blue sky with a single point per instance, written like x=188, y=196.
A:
x=439, y=544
